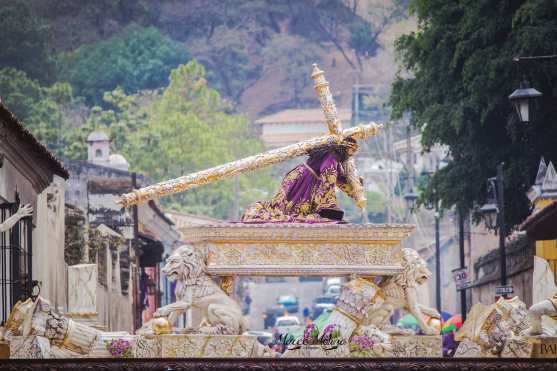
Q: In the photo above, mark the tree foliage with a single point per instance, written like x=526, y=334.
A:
x=462, y=72
x=294, y=57
x=135, y=59
x=25, y=41
x=40, y=108
x=190, y=129
x=227, y=62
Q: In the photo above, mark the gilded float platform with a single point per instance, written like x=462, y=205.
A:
x=299, y=249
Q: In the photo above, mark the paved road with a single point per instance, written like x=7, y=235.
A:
x=265, y=295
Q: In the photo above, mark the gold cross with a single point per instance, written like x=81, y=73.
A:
x=321, y=86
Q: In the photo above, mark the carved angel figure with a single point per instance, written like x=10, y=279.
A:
x=308, y=192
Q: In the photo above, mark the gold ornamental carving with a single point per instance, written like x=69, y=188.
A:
x=321, y=86
x=227, y=284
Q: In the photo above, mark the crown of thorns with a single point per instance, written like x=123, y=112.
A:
x=350, y=143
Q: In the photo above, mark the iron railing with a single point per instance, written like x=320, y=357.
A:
x=15, y=260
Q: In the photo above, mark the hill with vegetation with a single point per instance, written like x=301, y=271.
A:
x=176, y=83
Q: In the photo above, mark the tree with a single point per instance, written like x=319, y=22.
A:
x=25, y=41
x=40, y=108
x=460, y=59
x=228, y=64
x=190, y=129
x=135, y=59
x=363, y=39
x=293, y=56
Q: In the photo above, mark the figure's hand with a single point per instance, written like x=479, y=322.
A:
x=361, y=203
x=25, y=210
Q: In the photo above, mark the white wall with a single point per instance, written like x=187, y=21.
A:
x=49, y=266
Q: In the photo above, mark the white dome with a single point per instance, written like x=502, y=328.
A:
x=118, y=161
x=98, y=136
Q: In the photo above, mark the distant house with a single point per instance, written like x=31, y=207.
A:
x=294, y=125
x=423, y=162
x=33, y=250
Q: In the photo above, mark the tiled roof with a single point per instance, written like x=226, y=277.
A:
x=542, y=225
x=25, y=135
x=303, y=116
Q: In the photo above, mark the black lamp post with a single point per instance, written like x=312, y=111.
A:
x=493, y=213
x=432, y=206
x=522, y=99
x=410, y=198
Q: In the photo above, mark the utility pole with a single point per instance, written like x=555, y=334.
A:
x=461, y=217
x=437, y=259
x=409, y=167
x=388, y=145
x=502, y=226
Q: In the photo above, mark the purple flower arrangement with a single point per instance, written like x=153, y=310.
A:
x=311, y=333
x=119, y=348
x=331, y=332
x=361, y=346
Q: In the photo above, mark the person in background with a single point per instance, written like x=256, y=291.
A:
x=247, y=301
x=449, y=344
x=305, y=313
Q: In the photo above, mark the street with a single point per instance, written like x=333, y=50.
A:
x=264, y=295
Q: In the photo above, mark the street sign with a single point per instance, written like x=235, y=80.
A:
x=504, y=290
x=461, y=278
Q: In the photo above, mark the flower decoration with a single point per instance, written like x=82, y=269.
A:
x=119, y=348
x=311, y=333
x=331, y=331
x=361, y=346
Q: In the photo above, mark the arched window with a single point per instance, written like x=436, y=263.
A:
x=98, y=153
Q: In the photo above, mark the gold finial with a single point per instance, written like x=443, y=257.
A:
x=321, y=86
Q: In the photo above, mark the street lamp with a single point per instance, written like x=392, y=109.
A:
x=489, y=213
x=493, y=213
x=410, y=198
x=490, y=210
x=522, y=98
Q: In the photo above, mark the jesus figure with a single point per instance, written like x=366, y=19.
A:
x=308, y=192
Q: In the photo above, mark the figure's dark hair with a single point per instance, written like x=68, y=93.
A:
x=339, y=151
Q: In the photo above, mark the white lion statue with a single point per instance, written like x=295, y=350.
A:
x=547, y=307
x=400, y=292
x=194, y=288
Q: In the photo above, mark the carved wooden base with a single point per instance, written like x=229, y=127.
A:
x=287, y=364
x=544, y=347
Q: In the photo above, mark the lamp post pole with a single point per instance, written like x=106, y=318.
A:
x=461, y=216
x=501, y=223
x=437, y=260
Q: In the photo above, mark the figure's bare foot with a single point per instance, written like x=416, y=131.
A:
x=189, y=330
x=395, y=330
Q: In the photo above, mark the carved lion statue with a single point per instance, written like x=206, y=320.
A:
x=400, y=292
x=547, y=307
x=194, y=288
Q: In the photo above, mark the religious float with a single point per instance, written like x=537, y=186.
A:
x=299, y=232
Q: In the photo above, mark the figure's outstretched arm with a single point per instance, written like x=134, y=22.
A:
x=22, y=212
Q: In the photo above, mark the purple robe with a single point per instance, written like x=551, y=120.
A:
x=304, y=191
